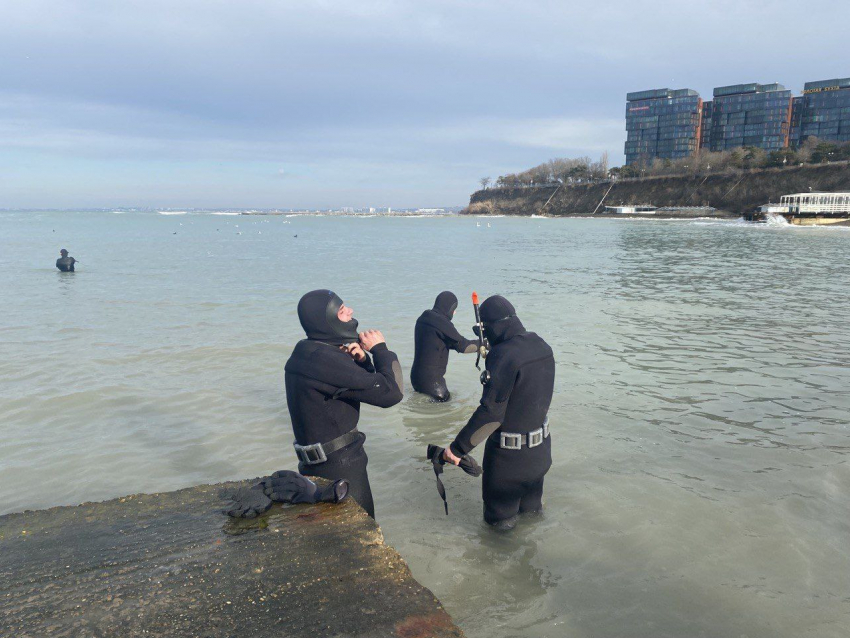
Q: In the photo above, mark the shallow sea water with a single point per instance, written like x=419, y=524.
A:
x=700, y=485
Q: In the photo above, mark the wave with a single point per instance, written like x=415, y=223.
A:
x=772, y=219
x=171, y=212
x=225, y=213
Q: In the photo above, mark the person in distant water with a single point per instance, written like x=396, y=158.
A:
x=65, y=263
x=434, y=335
x=512, y=417
x=327, y=376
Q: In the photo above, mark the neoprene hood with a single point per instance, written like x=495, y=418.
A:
x=446, y=304
x=317, y=312
x=499, y=318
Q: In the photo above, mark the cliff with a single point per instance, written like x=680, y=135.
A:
x=734, y=193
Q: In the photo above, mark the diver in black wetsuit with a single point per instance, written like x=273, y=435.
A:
x=434, y=335
x=518, y=383
x=65, y=263
x=327, y=376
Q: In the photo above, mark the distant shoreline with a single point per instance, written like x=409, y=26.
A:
x=723, y=195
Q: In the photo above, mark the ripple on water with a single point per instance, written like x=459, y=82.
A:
x=700, y=483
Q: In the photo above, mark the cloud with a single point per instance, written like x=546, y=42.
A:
x=454, y=89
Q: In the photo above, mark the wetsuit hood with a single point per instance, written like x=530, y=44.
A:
x=500, y=321
x=317, y=312
x=446, y=304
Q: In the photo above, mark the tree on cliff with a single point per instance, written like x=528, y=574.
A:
x=485, y=182
x=581, y=170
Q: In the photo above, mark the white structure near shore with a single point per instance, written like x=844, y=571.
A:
x=817, y=203
x=636, y=209
x=811, y=209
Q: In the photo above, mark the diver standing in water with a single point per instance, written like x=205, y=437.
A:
x=65, y=263
x=327, y=376
x=512, y=417
x=434, y=335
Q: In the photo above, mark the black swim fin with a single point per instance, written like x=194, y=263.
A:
x=467, y=464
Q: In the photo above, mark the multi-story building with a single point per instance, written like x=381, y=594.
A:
x=662, y=123
x=671, y=124
x=825, y=110
x=750, y=115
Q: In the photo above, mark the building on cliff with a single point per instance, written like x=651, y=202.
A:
x=750, y=115
x=672, y=124
x=825, y=110
x=662, y=123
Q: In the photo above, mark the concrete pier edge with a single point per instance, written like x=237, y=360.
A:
x=171, y=564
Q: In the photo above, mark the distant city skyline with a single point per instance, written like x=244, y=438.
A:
x=265, y=104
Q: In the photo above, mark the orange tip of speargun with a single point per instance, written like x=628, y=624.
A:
x=475, y=297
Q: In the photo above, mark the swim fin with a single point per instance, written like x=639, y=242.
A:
x=467, y=464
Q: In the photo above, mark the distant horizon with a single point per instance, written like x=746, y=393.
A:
x=242, y=209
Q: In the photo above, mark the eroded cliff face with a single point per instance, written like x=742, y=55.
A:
x=735, y=193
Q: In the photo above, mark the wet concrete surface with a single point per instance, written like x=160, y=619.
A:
x=171, y=564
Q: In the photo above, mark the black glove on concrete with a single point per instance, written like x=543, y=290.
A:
x=247, y=502
x=286, y=486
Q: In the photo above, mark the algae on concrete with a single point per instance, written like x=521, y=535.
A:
x=172, y=565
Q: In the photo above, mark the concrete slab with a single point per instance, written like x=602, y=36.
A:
x=172, y=565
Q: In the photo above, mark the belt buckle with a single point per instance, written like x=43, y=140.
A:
x=535, y=438
x=546, y=427
x=311, y=454
x=510, y=441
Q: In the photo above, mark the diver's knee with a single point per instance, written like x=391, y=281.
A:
x=503, y=525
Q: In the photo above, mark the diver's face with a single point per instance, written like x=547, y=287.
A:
x=344, y=313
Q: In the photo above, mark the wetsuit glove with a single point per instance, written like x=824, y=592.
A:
x=286, y=486
x=247, y=502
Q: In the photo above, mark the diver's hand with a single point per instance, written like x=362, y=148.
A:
x=370, y=339
x=355, y=351
x=449, y=457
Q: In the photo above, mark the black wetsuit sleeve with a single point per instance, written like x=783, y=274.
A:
x=366, y=364
x=456, y=341
x=386, y=387
x=490, y=414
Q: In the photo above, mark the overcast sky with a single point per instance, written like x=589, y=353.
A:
x=304, y=103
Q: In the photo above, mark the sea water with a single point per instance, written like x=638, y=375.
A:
x=700, y=485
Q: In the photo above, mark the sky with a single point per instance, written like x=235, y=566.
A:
x=321, y=104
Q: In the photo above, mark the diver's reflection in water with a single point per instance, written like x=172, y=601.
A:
x=434, y=422
x=66, y=281
x=512, y=585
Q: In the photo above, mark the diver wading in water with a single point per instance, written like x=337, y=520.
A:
x=65, y=263
x=327, y=377
x=434, y=335
x=518, y=379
